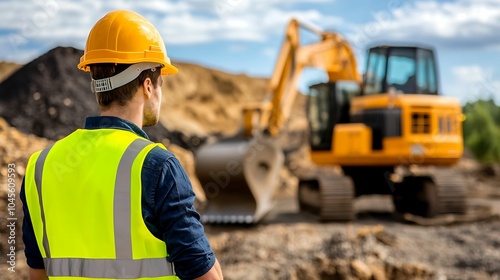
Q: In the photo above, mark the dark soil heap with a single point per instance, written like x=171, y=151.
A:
x=50, y=97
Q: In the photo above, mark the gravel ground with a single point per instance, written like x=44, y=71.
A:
x=376, y=247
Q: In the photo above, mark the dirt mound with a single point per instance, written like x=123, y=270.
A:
x=16, y=147
x=50, y=98
x=15, y=150
x=201, y=101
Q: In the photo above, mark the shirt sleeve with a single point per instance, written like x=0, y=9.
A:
x=179, y=223
x=31, y=250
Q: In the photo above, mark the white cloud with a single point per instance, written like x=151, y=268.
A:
x=236, y=48
x=473, y=82
x=25, y=26
x=458, y=24
x=246, y=22
x=270, y=52
x=471, y=73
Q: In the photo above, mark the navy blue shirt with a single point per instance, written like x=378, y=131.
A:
x=167, y=209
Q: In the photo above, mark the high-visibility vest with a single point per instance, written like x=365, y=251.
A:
x=84, y=198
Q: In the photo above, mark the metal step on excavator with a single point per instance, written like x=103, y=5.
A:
x=368, y=125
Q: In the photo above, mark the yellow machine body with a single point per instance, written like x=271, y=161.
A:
x=431, y=134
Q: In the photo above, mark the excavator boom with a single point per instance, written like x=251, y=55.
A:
x=240, y=174
x=331, y=53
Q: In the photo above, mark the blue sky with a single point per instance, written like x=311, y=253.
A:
x=244, y=36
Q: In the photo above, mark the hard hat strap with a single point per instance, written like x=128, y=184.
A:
x=123, y=78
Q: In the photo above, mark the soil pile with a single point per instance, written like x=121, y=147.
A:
x=202, y=101
x=15, y=148
x=50, y=97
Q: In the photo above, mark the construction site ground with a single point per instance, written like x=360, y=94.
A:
x=201, y=104
x=293, y=245
x=378, y=245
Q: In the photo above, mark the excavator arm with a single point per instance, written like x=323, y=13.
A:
x=331, y=53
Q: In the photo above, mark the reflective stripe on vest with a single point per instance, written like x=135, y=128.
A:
x=38, y=181
x=124, y=266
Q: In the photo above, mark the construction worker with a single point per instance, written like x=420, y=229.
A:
x=105, y=202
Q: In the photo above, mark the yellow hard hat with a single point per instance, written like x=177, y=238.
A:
x=125, y=37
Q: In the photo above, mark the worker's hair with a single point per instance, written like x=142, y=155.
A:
x=121, y=95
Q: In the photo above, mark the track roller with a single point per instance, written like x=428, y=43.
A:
x=439, y=191
x=328, y=195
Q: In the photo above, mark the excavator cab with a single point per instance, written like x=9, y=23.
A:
x=328, y=105
x=390, y=70
x=403, y=70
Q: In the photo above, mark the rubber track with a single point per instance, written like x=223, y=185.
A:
x=451, y=191
x=336, y=196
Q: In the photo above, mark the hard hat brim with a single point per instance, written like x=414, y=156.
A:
x=125, y=37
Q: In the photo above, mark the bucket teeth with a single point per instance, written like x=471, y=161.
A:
x=227, y=219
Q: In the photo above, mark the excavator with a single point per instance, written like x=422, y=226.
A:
x=389, y=131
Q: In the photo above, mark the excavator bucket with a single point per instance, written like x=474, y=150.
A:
x=239, y=178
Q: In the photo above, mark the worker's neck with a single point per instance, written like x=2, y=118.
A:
x=130, y=113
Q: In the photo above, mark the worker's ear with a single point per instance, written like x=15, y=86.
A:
x=147, y=88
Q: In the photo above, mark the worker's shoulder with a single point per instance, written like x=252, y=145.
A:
x=158, y=157
x=37, y=153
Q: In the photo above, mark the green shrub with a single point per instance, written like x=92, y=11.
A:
x=482, y=130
